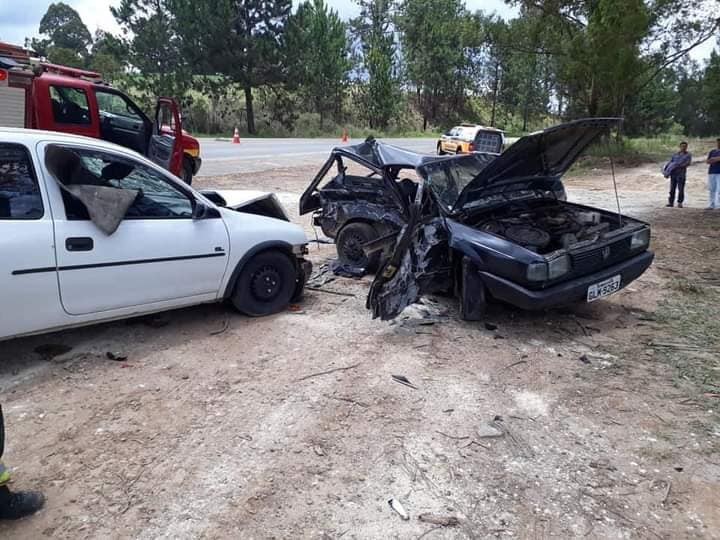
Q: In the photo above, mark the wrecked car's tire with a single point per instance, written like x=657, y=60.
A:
x=349, y=246
x=440, y=150
x=187, y=171
x=266, y=284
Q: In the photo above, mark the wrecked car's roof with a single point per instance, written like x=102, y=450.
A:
x=380, y=155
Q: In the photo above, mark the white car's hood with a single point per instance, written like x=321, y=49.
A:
x=251, y=201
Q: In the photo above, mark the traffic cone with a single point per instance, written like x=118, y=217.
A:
x=236, y=137
x=345, y=137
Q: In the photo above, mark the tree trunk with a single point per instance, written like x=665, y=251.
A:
x=496, y=88
x=249, y=110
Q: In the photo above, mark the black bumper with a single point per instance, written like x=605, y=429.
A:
x=304, y=268
x=197, y=163
x=570, y=292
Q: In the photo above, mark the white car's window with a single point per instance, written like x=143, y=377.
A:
x=158, y=198
x=19, y=192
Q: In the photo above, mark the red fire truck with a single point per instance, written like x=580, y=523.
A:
x=39, y=95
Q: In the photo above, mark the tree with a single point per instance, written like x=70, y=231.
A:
x=108, y=55
x=317, y=48
x=239, y=40
x=433, y=34
x=67, y=38
x=609, y=50
x=711, y=91
x=154, y=48
x=379, y=77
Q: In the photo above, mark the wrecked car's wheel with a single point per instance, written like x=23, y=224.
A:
x=187, y=171
x=440, y=151
x=265, y=285
x=349, y=246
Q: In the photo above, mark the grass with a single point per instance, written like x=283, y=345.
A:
x=690, y=315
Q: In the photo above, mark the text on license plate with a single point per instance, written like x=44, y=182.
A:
x=604, y=288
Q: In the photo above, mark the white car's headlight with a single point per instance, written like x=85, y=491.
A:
x=559, y=266
x=640, y=239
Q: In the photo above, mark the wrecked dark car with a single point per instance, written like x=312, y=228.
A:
x=478, y=226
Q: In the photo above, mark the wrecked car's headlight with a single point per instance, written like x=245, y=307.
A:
x=558, y=267
x=640, y=239
x=553, y=269
x=537, y=271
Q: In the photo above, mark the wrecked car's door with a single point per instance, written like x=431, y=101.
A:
x=166, y=248
x=165, y=146
x=419, y=263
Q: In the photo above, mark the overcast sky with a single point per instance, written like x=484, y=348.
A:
x=20, y=19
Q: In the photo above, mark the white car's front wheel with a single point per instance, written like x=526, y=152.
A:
x=266, y=284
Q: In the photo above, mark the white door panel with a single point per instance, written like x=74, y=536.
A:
x=28, y=280
x=29, y=299
x=144, y=261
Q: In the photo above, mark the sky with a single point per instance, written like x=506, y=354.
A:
x=20, y=18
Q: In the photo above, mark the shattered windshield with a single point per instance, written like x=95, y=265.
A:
x=447, y=178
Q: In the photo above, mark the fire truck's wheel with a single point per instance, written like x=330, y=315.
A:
x=187, y=171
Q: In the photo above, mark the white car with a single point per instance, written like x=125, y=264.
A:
x=65, y=263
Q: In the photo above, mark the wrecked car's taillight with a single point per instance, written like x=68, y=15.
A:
x=640, y=239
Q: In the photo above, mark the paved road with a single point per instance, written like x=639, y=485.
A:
x=255, y=155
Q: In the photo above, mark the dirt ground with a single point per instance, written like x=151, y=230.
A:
x=599, y=421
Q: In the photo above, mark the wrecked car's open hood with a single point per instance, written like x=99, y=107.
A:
x=544, y=154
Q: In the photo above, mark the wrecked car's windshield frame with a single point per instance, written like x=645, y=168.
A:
x=448, y=178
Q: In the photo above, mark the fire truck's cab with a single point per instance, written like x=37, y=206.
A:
x=58, y=98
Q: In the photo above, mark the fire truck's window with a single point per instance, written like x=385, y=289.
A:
x=112, y=104
x=70, y=105
x=19, y=192
x=166, y=117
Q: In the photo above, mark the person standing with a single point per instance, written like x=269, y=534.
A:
x=15, y=505
x=676, y=169
x=713, y=160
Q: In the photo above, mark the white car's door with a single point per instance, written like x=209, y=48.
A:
x=158, y=253
x=28, y=278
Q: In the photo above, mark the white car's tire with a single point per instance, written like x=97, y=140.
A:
x=265, y=285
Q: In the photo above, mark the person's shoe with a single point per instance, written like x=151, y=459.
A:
x=669, y=205
x=680, y=205
x=19, y=504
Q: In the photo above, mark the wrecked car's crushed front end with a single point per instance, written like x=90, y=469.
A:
x=511, y=235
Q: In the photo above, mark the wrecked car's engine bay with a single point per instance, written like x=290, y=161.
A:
x=547, y=228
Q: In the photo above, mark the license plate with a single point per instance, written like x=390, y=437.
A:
x=604, y=288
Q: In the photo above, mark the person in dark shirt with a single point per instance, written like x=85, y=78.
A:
x=676, y=169
x=713, y=160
